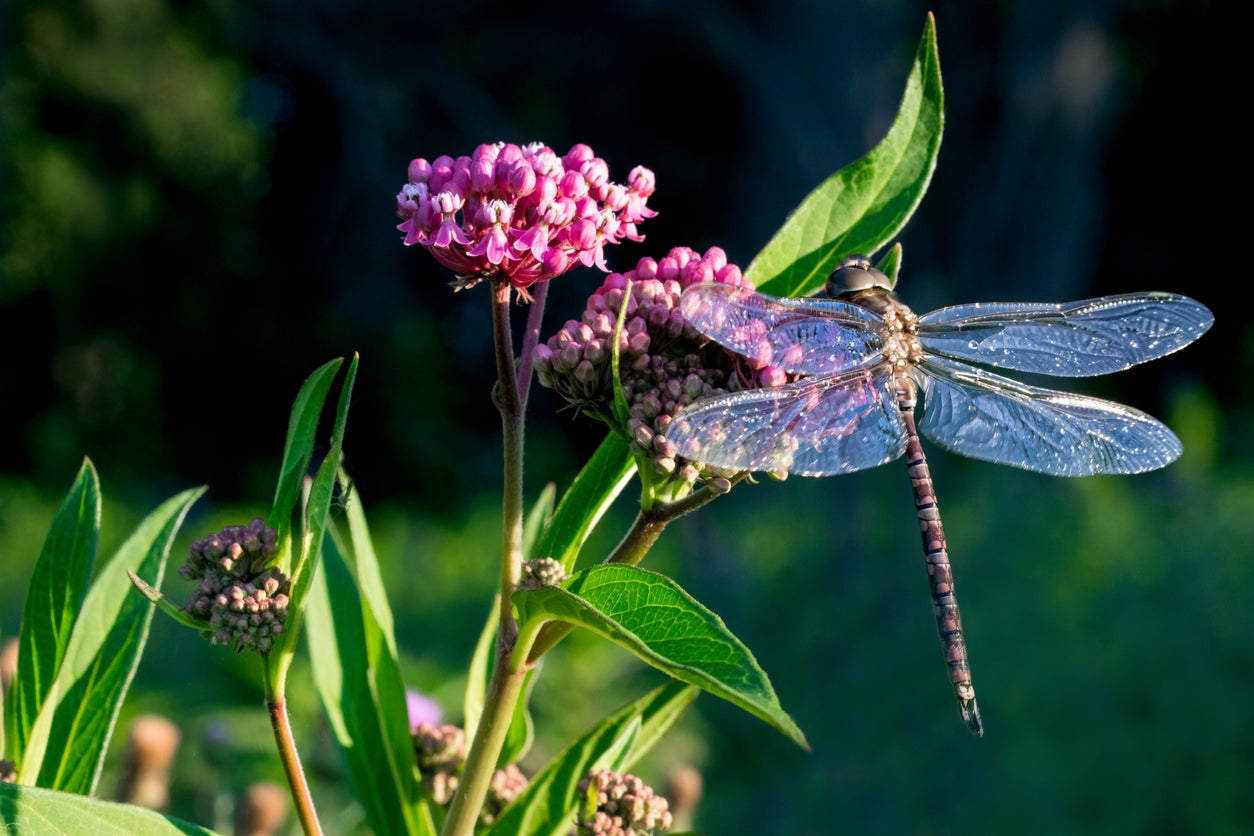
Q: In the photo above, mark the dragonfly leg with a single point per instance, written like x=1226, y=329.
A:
x=940, y=575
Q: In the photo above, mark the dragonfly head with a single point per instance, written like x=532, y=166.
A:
x=854, y=272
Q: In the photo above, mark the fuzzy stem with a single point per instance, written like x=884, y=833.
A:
x=506, y=684
x=276, y=706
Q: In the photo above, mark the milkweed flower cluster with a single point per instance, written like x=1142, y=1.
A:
x=620, y=805
x=521, y=213
x=241, y=600
x=441, y=753
x=664, y=362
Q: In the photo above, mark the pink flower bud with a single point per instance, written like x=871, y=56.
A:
x=419, y=170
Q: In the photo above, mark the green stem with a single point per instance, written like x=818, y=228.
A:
x=507, y=679
x=276, y=706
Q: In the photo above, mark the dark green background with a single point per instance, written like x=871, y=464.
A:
x=198, y=210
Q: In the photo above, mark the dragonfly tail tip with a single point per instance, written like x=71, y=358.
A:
x=971, y=716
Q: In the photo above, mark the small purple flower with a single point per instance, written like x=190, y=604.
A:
x=422, y=709
x=521, y=213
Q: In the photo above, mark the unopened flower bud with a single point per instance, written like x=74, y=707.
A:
x=541, y=572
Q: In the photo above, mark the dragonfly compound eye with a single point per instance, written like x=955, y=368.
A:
x=855, y=272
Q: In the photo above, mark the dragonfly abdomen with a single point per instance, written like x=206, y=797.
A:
x=940, y=575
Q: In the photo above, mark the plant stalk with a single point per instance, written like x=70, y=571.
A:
x=276, y=706
x=506, y=684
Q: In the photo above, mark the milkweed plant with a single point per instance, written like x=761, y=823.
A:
x=506, y=220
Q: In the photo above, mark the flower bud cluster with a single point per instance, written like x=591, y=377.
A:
x=239, y=550
x=441, y=753
x=243, y=603
x=664, y=362
x=523, y=213
x=624, y=806
x=542, y=572
x=506, y=785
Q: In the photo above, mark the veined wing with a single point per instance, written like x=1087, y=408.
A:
x=986, y=416
x=1075, y=339
x=801, y=336
x=813, y=427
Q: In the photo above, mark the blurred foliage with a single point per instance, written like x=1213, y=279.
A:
x=197, y=206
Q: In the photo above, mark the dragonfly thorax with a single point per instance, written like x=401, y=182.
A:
x=899, y=328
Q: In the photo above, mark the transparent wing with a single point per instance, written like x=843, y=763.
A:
x=1075, y=339
x=801, y=336
x=990, y=417
x=813, y=427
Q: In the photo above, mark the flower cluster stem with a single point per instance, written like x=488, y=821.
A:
x=276, y=706
x=507, y=680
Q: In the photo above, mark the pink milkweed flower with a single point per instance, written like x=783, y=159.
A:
x=520, y=213
x=664, y=362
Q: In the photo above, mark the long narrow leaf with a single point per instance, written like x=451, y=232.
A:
x=358, y=681
x=547, y=806
x=861, y=207
x=650, y=615
x=298, y=448
x=53, y=600
x=36, y=812
x=538, y=517
x=589, y=496
x=480, y=671
x=76, y=723
x=317, y=507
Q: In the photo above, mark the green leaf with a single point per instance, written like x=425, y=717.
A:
x=861, y=207
x=164, y=604
x=36, y=812
x=298, y=449
x=890, y=264
x=317, y=507
x=480, y=671
x=357, y=676
x=547, y=806
x=71, y=734
x=53, y=600
x=650, y=615
x=589, y=496
x=537, y=518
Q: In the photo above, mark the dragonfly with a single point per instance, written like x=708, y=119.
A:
x=863, y=361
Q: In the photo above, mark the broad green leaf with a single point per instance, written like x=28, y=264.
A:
x=861, y=207
x=537, y=518
x=35, y=812
x=480, y=671
x=53, y=600
x=650, y=615
x=547, y=806
x=357, y=677
x=71, y=734
x=317, y=507
x=298, y=448
x=589, y=496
